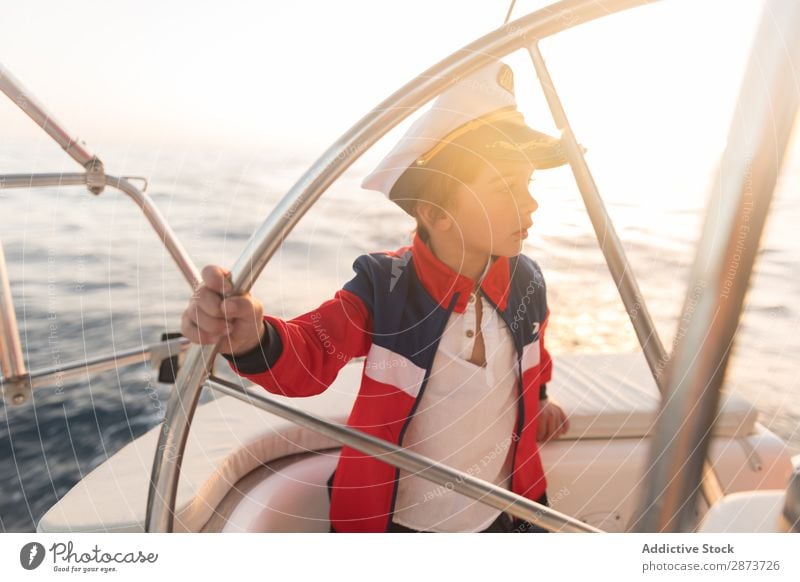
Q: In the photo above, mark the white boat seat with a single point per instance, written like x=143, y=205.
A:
x=605, y=396
x=228, y=439
x=614, y=395
x=748, y=512
x=290, y=498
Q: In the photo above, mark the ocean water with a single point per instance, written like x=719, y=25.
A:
x=89, y=277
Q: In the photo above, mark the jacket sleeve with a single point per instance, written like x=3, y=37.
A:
x=312, y=347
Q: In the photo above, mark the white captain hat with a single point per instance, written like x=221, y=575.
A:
x=478, y=112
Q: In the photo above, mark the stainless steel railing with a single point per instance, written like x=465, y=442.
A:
x=613, y=251
x=75, y=147
x=333, y=162
x=12, y=364
x=766, y=111
x=141, y=199
x=16, y=382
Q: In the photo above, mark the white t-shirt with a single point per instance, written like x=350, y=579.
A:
x=465, y=419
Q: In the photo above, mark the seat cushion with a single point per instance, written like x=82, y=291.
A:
x=615, y=396
x=605, y=396
x=228, y=439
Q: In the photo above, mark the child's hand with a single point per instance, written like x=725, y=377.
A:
x=553, y=422
x=236, y=323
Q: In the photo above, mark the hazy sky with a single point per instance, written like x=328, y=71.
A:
x=301, y=73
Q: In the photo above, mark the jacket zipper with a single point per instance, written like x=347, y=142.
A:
x=422, y=387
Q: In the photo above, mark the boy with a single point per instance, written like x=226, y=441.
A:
x=452, y=327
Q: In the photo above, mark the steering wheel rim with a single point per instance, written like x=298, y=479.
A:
x=265, y=241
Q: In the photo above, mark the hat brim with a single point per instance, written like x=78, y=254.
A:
x=515, y=142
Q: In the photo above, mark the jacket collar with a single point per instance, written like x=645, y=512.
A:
x=443, y=283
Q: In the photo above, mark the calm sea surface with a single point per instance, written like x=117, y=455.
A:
x=89, y=277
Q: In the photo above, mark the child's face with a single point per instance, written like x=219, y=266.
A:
x=492, y=214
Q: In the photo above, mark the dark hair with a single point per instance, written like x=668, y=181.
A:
x=435, y=182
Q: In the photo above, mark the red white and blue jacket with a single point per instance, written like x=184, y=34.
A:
x=394, y=312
